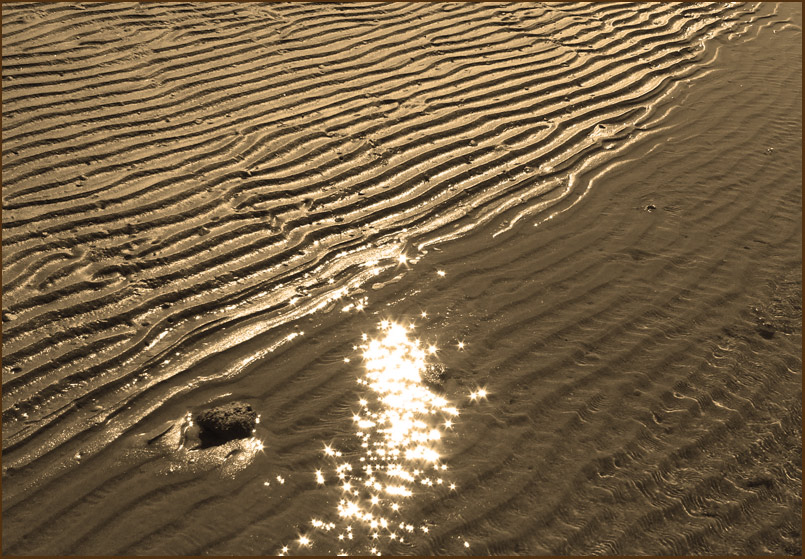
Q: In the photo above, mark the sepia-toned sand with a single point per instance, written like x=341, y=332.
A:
x=580, y=223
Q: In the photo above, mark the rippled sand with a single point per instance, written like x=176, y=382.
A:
x=498, y=278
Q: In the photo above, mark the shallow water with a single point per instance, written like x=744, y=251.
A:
x=607, y=264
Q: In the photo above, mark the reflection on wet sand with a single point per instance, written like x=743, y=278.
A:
x=399, y=424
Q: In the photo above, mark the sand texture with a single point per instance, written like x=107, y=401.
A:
x=496, y=278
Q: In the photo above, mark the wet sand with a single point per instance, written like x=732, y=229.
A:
x=589, y=215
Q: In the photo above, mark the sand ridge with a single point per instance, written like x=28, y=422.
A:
x=184, y=183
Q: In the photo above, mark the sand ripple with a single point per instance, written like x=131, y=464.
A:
x=185, y=184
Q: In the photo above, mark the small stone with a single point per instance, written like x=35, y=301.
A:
x=760, y=481
x=234, y=420
x=766, y=330
x=434, y=374
x=651, y=208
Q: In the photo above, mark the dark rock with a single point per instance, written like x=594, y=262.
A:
x=760, y=481
x=766, y=331
x=234, y=420
x=434, y=374
x=651, y=208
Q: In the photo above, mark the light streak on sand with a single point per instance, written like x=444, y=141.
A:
x=400, y=423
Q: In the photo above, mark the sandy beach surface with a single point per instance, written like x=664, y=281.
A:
x=497, y=278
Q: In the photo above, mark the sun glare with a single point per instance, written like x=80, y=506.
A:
x=400, y=423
